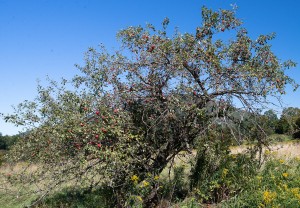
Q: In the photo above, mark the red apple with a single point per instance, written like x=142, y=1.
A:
x=151, y=48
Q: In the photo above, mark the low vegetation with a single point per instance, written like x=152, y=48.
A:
x=235, y=181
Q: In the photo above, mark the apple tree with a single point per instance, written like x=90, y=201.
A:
x=129, y=113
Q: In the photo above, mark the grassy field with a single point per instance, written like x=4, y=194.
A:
x=13, y=196
x=287, y=151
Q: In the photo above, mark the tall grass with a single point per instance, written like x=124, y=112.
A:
x=230, y=180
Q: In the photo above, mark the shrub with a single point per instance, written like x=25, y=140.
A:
x=219, y=175
x=276, y=185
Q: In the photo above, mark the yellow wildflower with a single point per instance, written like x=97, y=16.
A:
x=233, y=156
x=259, y=178
x=295, y=191
x=285, y=175
x=267, y=152
x=145, y=183
x=139, y=198
x=156, y=177
x=261, y=205
x=135, y=178
x=285, y=187
x=269, y=196
x=224, y=172
x=281, y=161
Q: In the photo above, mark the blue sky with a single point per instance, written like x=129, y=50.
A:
x=47, y=37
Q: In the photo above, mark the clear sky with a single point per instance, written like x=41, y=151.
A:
x=47, y=37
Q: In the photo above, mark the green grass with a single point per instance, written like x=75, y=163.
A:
x=14, y=199
x=66, y=198
x=276, y=185
x=280, y=138
x=79, y=198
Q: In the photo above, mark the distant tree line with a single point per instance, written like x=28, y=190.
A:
x=7, y=141
x=288, y=123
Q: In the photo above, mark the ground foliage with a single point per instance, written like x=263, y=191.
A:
x=129, y=113
x=275, y=185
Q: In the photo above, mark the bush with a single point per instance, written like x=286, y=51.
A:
x=282, y=126
x=176, y=187
x=276, y=185
x=2, y=153
x=296, y=135
x=7, y=141
x=219, y=175
x=279, y=138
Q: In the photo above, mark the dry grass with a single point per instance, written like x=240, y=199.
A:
x=14, y=195
x=287, y=149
